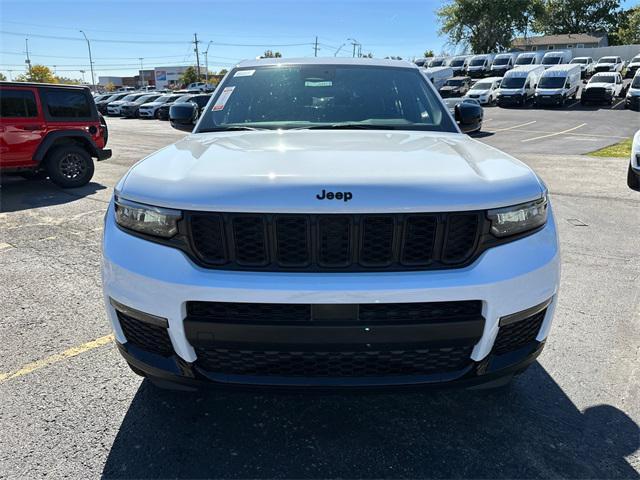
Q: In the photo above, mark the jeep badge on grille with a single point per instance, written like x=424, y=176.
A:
x=344, y=196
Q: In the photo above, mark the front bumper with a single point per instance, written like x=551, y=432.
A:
x=146, y=113
x=160, y=280
x=511, y=100
x=549, y=99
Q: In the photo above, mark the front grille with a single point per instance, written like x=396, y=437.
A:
x=274, y=313
x=334, y=363
x=516, y=335
x=596, y=93
x=358, y=242
x=150, y=338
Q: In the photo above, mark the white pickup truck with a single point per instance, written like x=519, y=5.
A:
x=603, y=88
x=326, y=224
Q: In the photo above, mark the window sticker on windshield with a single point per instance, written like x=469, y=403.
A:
x=223, y=98
x=244, y=73
x=324, y=83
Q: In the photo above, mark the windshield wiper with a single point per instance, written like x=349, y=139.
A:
x=347, y=126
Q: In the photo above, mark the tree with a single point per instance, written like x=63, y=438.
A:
x=485, y=25
x=429, y=53
x=2, y=77
x=223, y=72
x=190, y=75
x=577, y=16
x=629, y=30
x=39, y=73
x=69, y=81
x=271, y=54
x=110, y=87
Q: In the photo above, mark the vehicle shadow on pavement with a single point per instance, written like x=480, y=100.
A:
x=530, y=430
x=18, y=194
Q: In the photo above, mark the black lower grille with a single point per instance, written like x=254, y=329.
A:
x=596, y=94
x=516, y=335
x=359, y=242
x=150, y=338
x=274, y=313
x=332, y=363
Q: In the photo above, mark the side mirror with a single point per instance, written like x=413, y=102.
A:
x=183, y=116
x=468, y=116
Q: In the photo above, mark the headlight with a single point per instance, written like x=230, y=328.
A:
x=156, y=221
x=519, y=218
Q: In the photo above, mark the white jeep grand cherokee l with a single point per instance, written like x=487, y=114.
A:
x=327, y=225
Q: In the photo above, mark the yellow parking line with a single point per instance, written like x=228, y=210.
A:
x=58, y=357
x=512, y=128
x=554, y=134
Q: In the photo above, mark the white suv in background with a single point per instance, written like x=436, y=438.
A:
x=302, y=238
x=485, y=91
x=609, y=64
x=200, y=86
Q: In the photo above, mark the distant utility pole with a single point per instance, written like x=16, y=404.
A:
x=315, y=48
x=142, y=82
x=195, y=41
x=28, y=60
x=93, y=80
x=82, y=72
x=355, y=43
x=206, y=62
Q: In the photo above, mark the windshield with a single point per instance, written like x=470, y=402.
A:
x=607, y=60
x=128, y=98
x=183, y=98
x=454, y=82
x=524, y=60
x=579, y=60
x=551, y=82
x=482, y=86
x=512, y=82
x=555, y=60
x=437, y=63
x=145, y=99
x=163, y=98
x=478, y=62
x=501, y=61
x=457, y=63
x=603, y=79
x=635, y=59
x=304, y=96
x=636, y=82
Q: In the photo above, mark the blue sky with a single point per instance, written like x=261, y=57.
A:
x=160, y=31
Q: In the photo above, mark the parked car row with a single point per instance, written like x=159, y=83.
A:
x=491, y=64
x=145, y=104
x=534, y=83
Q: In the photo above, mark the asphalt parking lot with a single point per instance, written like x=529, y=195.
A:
x=69, y=406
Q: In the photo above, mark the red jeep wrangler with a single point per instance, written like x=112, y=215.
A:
x=50, y=129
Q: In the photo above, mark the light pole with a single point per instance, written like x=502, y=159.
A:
x=142, y=82
x=28, y=60
x=93, y=81
x=82, y=72
x=206, y=61
x=338, y=50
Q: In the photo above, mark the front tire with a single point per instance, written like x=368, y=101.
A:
x=633, y=179
x=69, y=166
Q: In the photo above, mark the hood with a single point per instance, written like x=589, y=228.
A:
x=510, y=91
x=450, y=88
x=385, y=171
x=478, y=92
x=117, y=103
x=152, y=104
x=549, y=91
x=598, y=85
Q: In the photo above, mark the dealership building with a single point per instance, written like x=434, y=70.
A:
x=167, y=77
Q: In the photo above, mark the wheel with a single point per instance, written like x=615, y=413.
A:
x=156, y=115
x=633, y=179
x=69, y=166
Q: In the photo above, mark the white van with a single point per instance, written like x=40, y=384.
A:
x=556, y=57
x=485, y=91
x=557, y=84
x=439, y=75
x=530, y=58
x=503, y=62
x=519, y=85
x=459, y=64
x=437, y=62
x=633, y=94
x=480, y=65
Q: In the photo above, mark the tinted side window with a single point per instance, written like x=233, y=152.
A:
x=18, y=104
x=68, y=104
x=201, y=101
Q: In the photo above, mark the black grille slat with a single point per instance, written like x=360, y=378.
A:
x=334, y=238
x=253, y=312
x=249, y=237
x=334, y=363
x=150, y=338
x=516, y=335
x=293, y=241
x=377, y=235
x=422, y=312
x=461, y=234
x=334, y=242
x=420, y=235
